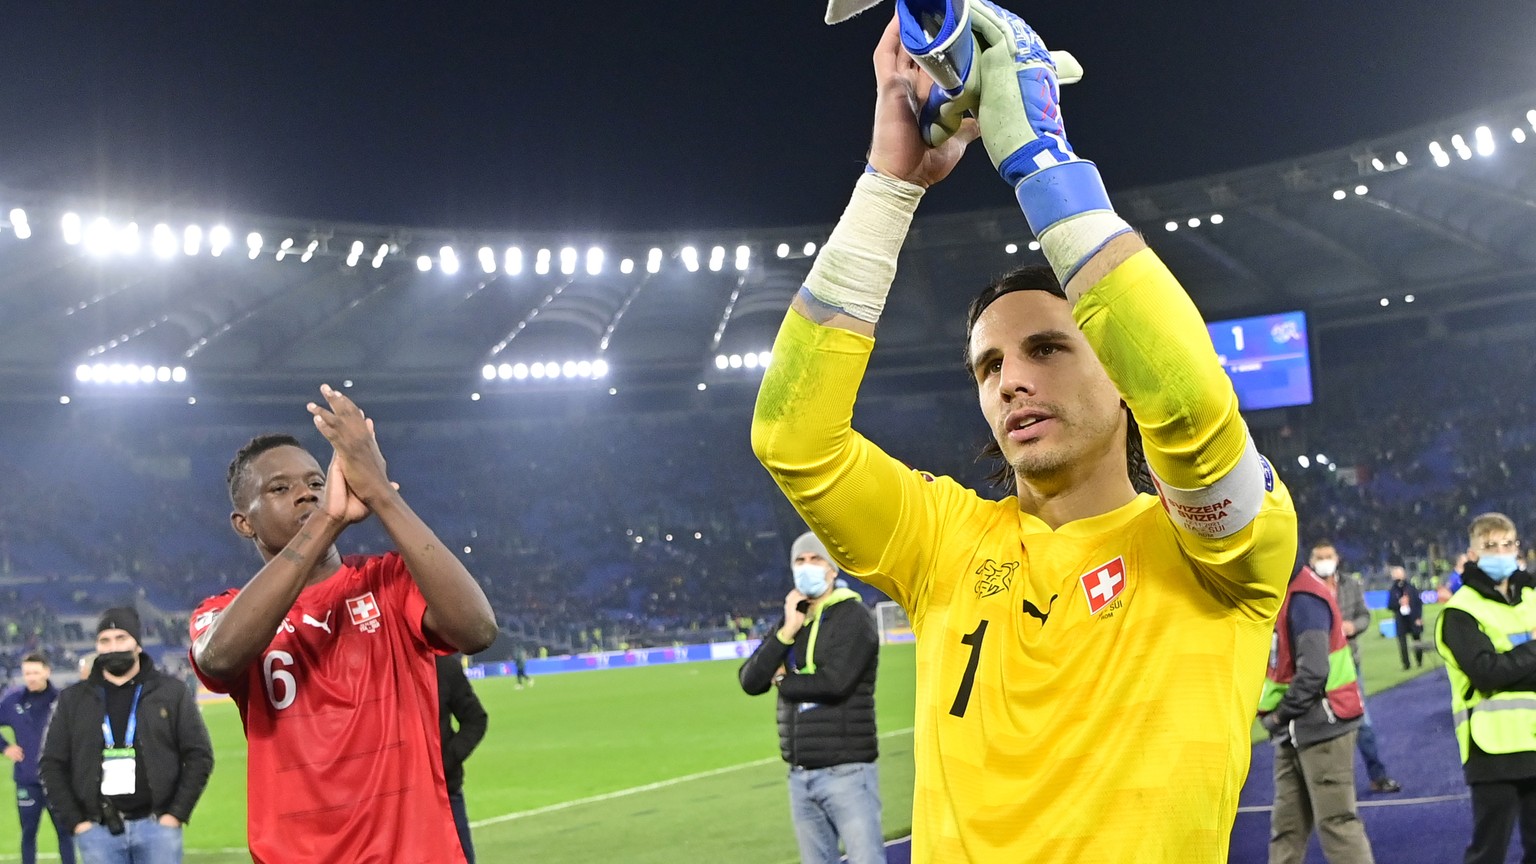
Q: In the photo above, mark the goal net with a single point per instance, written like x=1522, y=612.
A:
x=894, y=626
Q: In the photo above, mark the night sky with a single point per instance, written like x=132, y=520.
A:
x=621, y=114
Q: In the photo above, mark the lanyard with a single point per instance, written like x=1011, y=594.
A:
x=133, y=722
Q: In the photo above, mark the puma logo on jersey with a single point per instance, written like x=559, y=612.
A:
x=323, y=625
x=995, y=578
x=1034, y=611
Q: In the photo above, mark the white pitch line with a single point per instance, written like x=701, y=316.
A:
x=1400, y=802
x=648, y=787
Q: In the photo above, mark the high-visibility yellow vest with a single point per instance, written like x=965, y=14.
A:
x=1503, y=722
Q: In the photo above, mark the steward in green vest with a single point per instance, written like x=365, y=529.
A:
x=1484, y=634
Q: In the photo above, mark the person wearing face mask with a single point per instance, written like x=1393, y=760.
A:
x=1484, y=634
x=1355, y=618
x=126, y=755
x=822, y=659
x=1408, y=610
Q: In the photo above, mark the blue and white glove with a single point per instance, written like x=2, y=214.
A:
x=1062, y=196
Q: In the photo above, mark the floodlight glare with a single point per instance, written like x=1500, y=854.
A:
x=512, y=261
x=1484, y=138
x=1517, y=133
x=764, y=358
x=721, y=361
x=1378, y=164
x=690, y=258
x=1171, y=226
x=192, y=240
x=541, y=262
x=567, y=260
x=809, y=248
x=448, y=260
x=1362, y=189
x=504, y=371
x=520, y=371
x=599, y=368
x=488, y=372
x=19, y=224
x=716, y=259
x=783, y=250
x=1401, y=157
x=594, y=261
x=1011, y=248
x=253, y=244
x=735, y=361
x=487, y=259
x=653, y=261
x=378, y=257
x=162, y=241
x=219, y=239
x=98, y=237
x=179, y=374
x=627, y=266
x=584, y=369
x=1194, y=222
x=568, y=369
x=749, y=361
x=551, y=369
x=70, y=225
x=743, y=257
x=1217, y=219
x=82, y=373
x=423, y=263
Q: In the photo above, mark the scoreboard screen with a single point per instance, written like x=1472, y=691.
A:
x=1267, y=359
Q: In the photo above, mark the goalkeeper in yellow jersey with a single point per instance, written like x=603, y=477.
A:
x=1089, y=658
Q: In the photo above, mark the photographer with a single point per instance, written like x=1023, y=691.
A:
x=126, y=755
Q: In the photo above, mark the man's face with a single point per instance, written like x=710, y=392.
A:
x=813, y=558
x=35, y=676
x=1325, y=553
x=283, y=489
x=1045, y=395
x=1397, y=573
x=1495, y=542
x=113, y=639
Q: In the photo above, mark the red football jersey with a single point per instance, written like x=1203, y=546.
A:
x=340, y=712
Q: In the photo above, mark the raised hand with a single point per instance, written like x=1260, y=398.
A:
x=897, y=148
x=358, y=460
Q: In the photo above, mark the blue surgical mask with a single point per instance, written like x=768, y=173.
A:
x=811, y=579
x=1498, y=567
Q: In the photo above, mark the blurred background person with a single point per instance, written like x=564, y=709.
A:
x=26, y=710
x=456, y=701
x=1408, y=611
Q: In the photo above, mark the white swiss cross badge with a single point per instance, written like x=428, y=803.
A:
x=1103, y=584
x=364, y=612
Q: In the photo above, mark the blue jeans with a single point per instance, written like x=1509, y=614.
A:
x=30, y=806
x=1366, y=742
x=143, y=841
x=840, y=801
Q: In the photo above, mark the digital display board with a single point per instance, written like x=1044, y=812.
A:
x=1267, y=359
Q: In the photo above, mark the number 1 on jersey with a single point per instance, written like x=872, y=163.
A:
x=973, y=639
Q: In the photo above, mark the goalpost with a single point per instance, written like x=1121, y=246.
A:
x=893, y=623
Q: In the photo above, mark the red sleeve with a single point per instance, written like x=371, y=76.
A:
x=396, y=583
x=203, y=618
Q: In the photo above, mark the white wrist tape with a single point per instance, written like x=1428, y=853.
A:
x=1071, y=242
x=854, y=270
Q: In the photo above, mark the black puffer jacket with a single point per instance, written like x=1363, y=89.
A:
x=827, y=698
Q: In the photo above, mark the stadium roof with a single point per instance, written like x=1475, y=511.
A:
x=1444, y=214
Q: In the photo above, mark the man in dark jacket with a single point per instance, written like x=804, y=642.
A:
x=822, y=657
x=1485, y=635
x=1408, y=611
x=1311, y=707
x=1356, y=619
x=456, y=700
x=126, y=755
x=26, y=711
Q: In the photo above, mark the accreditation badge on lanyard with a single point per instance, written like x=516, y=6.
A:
x=119, y=774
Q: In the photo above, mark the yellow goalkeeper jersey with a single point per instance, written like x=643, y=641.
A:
x=1083, y=694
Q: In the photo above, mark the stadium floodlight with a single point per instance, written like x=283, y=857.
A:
x=536, y=371
x=1011, y=248
x=1217, y=219
x=613, y=391
x=568, y=260
x=764, y=358
x=703, y=386
x=520, y=371
x=1441, y=157
x=1516, y=133
x=355, y=253
x=70, y=225
x=82, y=373
x=1401, y=158
x=627, y=266
x=19, y=224
x=99, y=373
x=1340, y=194
x=1407, y=298
x=541, y=262
x=783, y=250
x=1362, y=189
x=716, y=259
x=378, y=257
x=423, y=263
x=309, y=251
x=512, y=261
x=504, y=371
x=191, y=240
x=749, y=360
x=473, y=397
x=1321, y=459
x=735, y=361
x=1194, y=222
x=594, y=261
x=1171, y=226
x=63, y=400
x=721, y=361
x=253, y=244
x=743, y=257
x=1530, y=117
x=584, y=369
x=1483, y=136
x=1034, y=245
x=283, y=247
x=179, y=374
x=448, y=260
x=1385, y=302
x=653, y=261
x=488, y=372
x=1378, y=164
x=162, y=241
x=98, y=237
x=128, y=239
x=568, y=368
x=487, y=259
x=219, y=239
x=1462, y=149
x=809, y=249
x=1303, y=461
x=600, y=370
x=163, y=374
x=130, y=374
x=690, y=258
x=551, y=369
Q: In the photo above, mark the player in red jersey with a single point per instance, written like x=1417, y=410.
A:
x=340, y=705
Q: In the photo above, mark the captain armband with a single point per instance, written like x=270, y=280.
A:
x=1225, y=507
